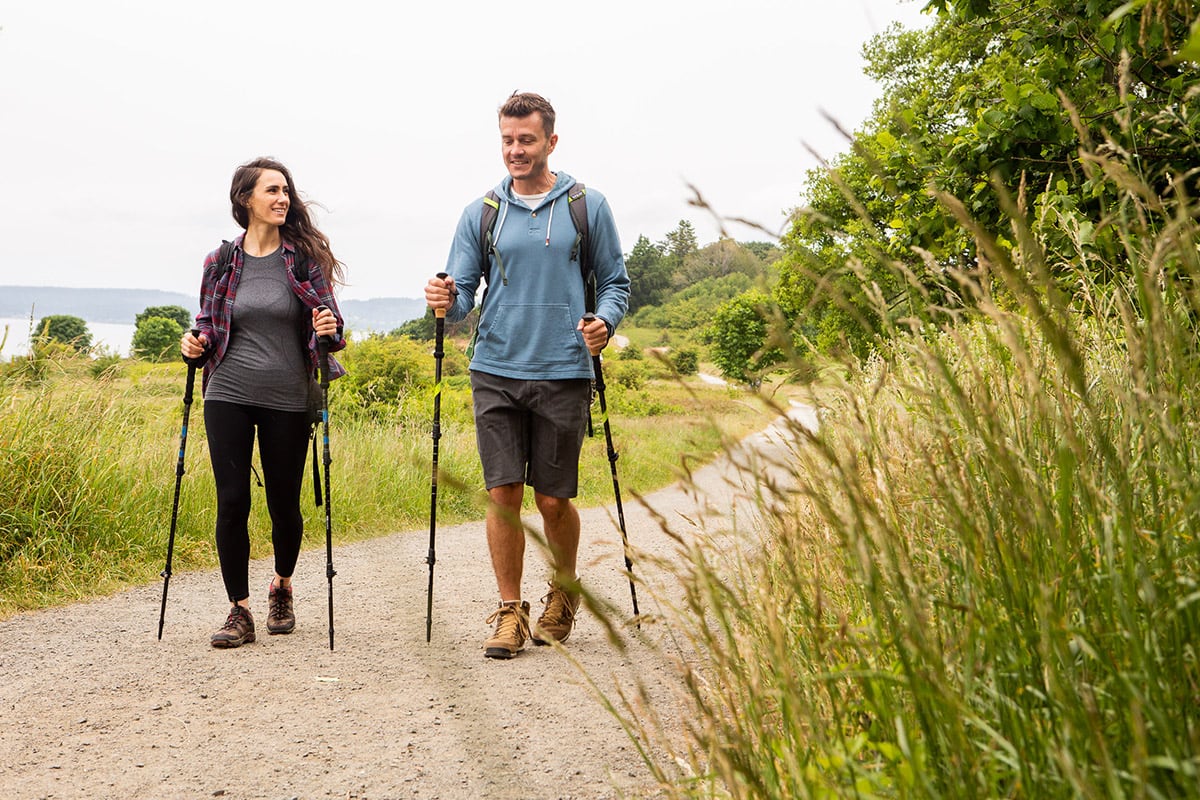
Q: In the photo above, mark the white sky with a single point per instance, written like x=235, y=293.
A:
x=121, y=122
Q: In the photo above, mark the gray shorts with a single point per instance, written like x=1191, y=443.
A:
x=531, y=431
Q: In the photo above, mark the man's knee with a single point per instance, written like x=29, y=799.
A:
x=552, y=507
x=509, y=495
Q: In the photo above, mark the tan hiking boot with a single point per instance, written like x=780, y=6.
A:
x=512, y=629
x=280, y=616
x=558, y=617
x=237, y=630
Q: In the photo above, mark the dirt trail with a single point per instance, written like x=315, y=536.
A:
x=92, y=705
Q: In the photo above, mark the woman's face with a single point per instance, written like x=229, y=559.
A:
x=270, y=200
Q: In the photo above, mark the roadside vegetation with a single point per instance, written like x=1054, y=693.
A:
x=88, y=448
x=986, y=582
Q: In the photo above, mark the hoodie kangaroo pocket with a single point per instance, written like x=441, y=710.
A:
x=532, y=336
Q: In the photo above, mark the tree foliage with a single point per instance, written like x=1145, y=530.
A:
x=156, y=339
x=180, y=315
x=649, y=274
x=993, y=100
x=65, y=329
x=738, y=336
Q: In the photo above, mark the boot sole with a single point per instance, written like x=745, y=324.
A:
x=226, y=644
x=287, y=629
x=500, y=652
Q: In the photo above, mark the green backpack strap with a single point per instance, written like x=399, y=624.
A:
x=487, y=226
x=580, y=250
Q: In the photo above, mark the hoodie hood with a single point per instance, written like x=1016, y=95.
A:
x=561, y=184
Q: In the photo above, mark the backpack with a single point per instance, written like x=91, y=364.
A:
x=580, y=250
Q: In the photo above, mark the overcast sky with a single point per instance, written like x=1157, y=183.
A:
x=121, y=122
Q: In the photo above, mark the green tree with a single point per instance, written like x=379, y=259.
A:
x=738, y=338
x=722, y=257
x=995, y=92
x=156, y=338
x=179, y=314
x=65, y=329
x=421, y=329
x=649, y=274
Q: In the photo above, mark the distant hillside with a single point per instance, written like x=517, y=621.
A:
x=121, y=306
x=380, y=314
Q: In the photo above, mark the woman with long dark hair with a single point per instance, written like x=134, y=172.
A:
x=263, y=303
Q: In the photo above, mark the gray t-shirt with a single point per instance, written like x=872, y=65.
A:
x=265, y=363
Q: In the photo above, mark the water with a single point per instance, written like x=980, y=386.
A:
x=115, y=337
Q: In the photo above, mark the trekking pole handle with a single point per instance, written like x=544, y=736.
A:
x=589, y=318
x=441, y=312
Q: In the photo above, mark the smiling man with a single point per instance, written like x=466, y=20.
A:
x=547, y=250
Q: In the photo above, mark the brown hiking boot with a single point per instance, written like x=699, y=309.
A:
x=512, y=629
x=280, y=616
x=558, y=617
x=237, y=630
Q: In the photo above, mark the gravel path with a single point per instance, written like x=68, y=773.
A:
x=92, y=705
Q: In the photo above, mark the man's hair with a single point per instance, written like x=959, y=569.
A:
x=522, y=104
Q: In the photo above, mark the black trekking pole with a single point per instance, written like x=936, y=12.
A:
x=187, y=410
x=439, y=315
x=612, y=463
x=323, y=368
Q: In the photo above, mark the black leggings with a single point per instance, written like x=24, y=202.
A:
x=283, y=438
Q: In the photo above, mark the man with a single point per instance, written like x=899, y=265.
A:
x=531, y=367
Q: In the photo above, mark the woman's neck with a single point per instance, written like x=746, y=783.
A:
x=261, y=240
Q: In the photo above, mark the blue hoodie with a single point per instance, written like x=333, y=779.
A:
x=527, y=327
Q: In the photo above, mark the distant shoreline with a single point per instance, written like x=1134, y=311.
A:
x=112, y=336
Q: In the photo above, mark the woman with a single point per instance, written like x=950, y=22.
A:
x=261, y=312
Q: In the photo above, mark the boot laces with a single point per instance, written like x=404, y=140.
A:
x=559, y=609
x=232, y=622
x=278, y=598
x=510, y=622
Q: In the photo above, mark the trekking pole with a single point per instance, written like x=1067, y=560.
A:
x=187, y=410
x=323, y=368
x=612, y=463
x=439, y=315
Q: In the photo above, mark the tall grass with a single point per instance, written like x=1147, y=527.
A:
x=985, y=583
x=88, y=454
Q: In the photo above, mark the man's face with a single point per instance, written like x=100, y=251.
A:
x=525, y=146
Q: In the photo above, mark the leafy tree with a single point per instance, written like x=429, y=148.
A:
x=738, y=338
x=179, y=314
x=722, y=257
x=65, y=329
x=156, y=338
x=649, y=274
x=681, y=242
x=996, y=93
x=421, y=329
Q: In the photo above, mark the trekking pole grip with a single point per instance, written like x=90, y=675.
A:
x=323, y=343
x=589, y=318
x=440, y=313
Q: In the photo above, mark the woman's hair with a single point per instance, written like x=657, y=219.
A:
x=298, y=228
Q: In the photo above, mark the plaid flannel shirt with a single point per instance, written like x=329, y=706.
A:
x=218, y=292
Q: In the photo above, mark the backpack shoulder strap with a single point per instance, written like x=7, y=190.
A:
x=581, y=250
x=225, y=258
x=487, y=224
x=301, y=267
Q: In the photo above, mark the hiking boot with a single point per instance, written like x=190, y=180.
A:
x=512, y=629
x=237, y=630
x=280, y=617
x=558, y=617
